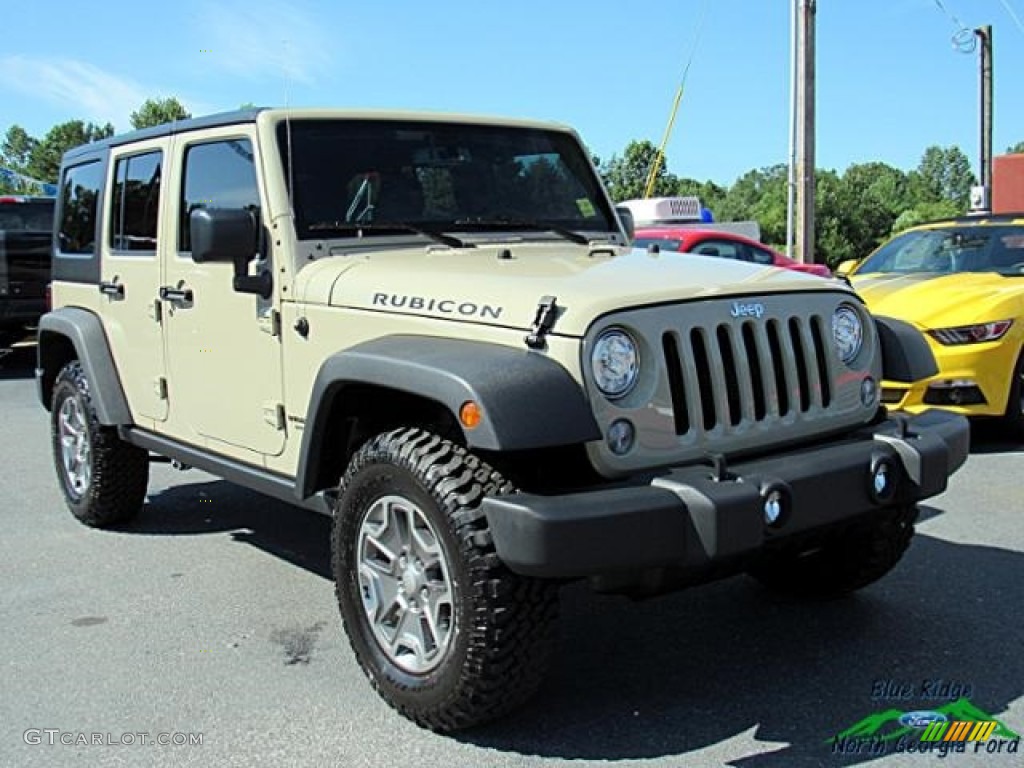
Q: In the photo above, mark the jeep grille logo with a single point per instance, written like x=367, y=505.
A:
x=747, y=310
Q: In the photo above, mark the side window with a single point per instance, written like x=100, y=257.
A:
x=136, y=202
x=218, y=174
x=664, y=243
x=79, y=194
x=761, y=256
x=722, y=248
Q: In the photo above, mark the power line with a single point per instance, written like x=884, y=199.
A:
x=963, y=39
x=1013, y=14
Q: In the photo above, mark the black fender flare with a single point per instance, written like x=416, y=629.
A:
x=84, y=330
x=527, y=399
x=906, y=356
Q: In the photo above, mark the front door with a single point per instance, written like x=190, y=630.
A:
x=223, y=354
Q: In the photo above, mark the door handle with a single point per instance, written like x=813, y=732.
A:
x=176, y=295
x=112, y=288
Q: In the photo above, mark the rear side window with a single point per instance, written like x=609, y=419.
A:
x=136, y=202
x=219, y=174
x=665, y=243
x=79, y=195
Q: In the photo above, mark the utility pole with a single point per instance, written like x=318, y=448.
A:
x=791, y=150
x=805, y=133
x=985, y=35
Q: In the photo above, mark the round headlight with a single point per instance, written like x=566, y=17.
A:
x=615, y=362
x=847, y=332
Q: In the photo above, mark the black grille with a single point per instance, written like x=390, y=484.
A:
x=753, y=371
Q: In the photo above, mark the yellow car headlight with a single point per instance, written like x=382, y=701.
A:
x=971, y=334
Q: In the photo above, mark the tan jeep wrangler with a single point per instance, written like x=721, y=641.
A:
x=433, y=329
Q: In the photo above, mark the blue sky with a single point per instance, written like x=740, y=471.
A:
x=889, y=80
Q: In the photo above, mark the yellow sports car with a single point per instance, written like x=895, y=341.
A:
x=961, y=282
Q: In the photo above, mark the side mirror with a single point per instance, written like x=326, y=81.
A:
x=229, y=234
x=626, y=217
x=846, y=267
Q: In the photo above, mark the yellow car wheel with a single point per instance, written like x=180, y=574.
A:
x=1014, y=418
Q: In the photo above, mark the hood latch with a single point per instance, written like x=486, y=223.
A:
x=543, y=321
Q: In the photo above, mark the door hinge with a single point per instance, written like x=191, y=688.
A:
x=160, y=387
x=156, y=311
x=270, y=323
x=273, y=414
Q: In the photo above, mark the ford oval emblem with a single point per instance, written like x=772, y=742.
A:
x=921, y=718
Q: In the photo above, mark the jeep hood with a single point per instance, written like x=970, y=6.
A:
x=485, y=285
x=944, y=301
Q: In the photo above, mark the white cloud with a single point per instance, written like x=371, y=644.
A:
x=84, y=90
x=263, y=39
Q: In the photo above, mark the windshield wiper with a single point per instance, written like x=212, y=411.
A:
x=536, y=226
x=347, y=227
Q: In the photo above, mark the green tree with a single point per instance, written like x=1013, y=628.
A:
x=44, y=159
x=759, y=195
x=944, y=173
x=626, y=176
x=870, y=198
x=924, y=212
x=1016, y=149
x=159, y=111
x=17, y=148
x=833, y=242
x=15, y=152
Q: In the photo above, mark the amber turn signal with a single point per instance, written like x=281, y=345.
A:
x=470, y=414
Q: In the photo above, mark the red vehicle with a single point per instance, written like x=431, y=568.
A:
x=715, y=242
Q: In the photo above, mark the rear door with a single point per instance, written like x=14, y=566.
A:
x=130, y=277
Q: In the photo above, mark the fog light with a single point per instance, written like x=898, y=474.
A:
x=883, y=479
x=954, y=392
x=775, y=503
x=868, y=392
x=620, y=437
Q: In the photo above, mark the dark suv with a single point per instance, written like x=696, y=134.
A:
x=26, y=227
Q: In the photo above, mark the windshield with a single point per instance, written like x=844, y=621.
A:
x=439, y=177
x=951, y=249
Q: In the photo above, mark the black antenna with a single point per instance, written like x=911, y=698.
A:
x=288, y=132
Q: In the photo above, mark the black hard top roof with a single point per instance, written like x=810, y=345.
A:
x=166, y=129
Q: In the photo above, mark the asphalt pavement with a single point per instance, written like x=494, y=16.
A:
x=211, y=618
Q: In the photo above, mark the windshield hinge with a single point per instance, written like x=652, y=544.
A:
x=543, y=321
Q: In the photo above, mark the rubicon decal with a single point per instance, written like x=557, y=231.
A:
x=430, y=305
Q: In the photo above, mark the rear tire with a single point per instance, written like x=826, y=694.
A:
x=447, y=635
x=845, y=562
x=102, y=477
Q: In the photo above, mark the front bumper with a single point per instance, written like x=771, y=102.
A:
x=973, y=380
x=689, y=518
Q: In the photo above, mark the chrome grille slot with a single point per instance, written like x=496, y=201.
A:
x=677, y=389
x=800, y=359
x=821, y=359
x=705, y=386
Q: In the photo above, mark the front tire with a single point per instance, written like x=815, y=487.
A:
x=102, y=477
x=848, y=560
x=1014, y=417
x=447, y=635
